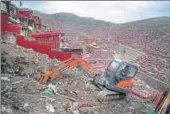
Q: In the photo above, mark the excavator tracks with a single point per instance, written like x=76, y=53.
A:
x=107, y=95
x=104, y=95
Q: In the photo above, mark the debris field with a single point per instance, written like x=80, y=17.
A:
x=22, y=93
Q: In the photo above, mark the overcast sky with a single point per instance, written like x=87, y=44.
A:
x=114, y=11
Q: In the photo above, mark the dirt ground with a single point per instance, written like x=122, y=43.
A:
x=22, y=93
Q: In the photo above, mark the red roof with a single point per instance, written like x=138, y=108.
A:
x=27, y=14
x=44, y=34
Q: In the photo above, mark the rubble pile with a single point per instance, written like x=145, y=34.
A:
x=24, y=62
x=22, y=93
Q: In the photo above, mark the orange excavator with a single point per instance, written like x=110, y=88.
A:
x=117, y=80
x=68, y=64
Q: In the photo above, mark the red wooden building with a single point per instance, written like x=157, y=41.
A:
x=50, y=38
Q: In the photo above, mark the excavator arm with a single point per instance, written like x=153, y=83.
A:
x=68, y=64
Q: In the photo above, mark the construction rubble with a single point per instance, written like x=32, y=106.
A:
x=22, y=92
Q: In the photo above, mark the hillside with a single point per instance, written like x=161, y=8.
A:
x=74, y=25
x=157, y=22
x=149, y=36
x=69, y=19
x=83, y=24
x=72, y=19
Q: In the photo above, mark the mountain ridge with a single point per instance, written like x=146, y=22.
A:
x=73, y=19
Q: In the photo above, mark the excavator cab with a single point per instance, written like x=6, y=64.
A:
x=118, y=71
x=117, y=79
